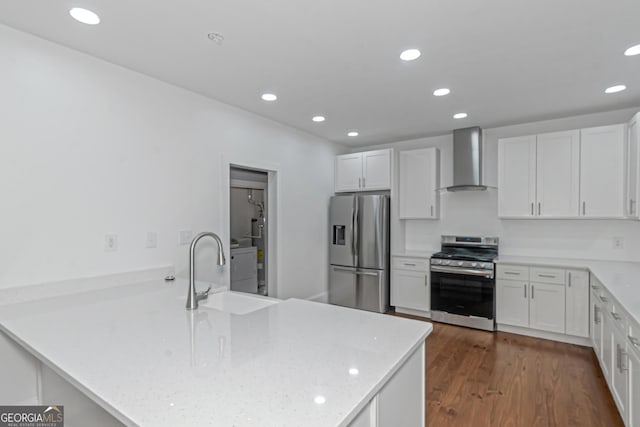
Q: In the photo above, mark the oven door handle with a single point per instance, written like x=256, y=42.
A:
x=463, y=271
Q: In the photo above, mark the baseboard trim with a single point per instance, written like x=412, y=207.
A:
x=412, y=312
x=321, y=297
x=569, y=339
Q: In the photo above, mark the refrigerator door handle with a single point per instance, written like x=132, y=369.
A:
x=356, y=272
x=356, y=224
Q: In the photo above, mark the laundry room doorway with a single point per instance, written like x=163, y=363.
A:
x=249, y=230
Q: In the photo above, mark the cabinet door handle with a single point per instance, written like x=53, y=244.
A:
x=634, y=341
x=431, y=210
x=364, y=182
x=512, y=273
x=359, y=182
x=539, y=208
x=531, y=208
x=409, y=265
x=604, y=299
x=525, y=291
x=596, y=312
x=548, y=276
x=426, y=280
x=630, y=206
x=569, y=279
x=594, y=287
x=584, y=208
x=616, y=316
x=532, y=289
x=618, y=358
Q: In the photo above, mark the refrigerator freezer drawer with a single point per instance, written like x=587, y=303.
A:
x=359, y=288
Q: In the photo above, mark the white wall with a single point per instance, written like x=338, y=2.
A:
x=475, y=213
x=89, y=148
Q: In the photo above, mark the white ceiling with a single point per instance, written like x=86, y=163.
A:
x=505, y=61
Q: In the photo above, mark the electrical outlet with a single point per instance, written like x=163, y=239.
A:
x=111, y=243
x=184, y=237
x=152, y=239
x=618, y=243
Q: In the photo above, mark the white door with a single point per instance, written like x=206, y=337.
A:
x=512, y=303
x=577, y=303
x=596, y=325
x=602, y=172
x=633, y=374
x=517, y=177
x=349, y=172
x=376, y=166
x=410, y=289
x=633, y=175
x=419, y=179
x=546, y=307
x=619, y=372
x=558, y=174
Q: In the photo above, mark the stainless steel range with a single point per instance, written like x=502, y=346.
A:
x=463, y=286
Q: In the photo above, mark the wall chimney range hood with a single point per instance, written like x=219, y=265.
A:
x=467, y=160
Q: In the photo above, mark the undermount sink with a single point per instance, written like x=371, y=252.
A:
x=236, y=303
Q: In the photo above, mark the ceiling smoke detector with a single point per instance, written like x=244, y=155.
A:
x=216, y=37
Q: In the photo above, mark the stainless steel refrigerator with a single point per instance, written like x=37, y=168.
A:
x=359, y=252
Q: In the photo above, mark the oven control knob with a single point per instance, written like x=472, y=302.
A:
x=436, y=261
x=475, y=264
x=484, y=265
x=460, y=263
x=446, y=262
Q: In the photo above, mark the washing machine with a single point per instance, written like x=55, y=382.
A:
x=244, y=269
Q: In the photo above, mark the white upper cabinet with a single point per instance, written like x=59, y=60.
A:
x=602, y=172
x=366, y=171
x=376, y=167
x=349, y=172
x=573, y=174
x=419, y=175
x=633, y=168
x=517, y=177
x=558, y=174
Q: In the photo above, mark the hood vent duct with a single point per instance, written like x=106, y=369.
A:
x=467, y=160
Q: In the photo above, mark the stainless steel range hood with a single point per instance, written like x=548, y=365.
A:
x=467, y=160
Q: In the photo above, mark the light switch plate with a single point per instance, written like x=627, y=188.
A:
x=184, y=237
x=152, y=239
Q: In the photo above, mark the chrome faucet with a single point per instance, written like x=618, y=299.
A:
x=193, y=297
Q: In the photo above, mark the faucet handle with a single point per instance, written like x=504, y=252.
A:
x=203, y=295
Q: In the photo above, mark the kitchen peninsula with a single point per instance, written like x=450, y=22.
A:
x=133, y=355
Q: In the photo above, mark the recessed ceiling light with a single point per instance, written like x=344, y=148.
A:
x=441, y=92
x=633, y=50
x=460, y=115
x=353, y=133
x=410, y=54
x=269, y=97
x=318, y=119
x=614, y=89
x=85, y=16
x=320, y=400
x=354, y=371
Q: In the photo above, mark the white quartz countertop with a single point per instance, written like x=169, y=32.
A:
x=622, y=279
x=138, y=353
x=413, y=254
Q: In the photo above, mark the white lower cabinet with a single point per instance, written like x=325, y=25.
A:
x=512, y=303
x=543, y=299
x=633, y=371
x=401, y=400
x=546, y=307
x=596, y=324
x=410, y=287
x=619, y=371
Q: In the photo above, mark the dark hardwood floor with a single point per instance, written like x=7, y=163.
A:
x=477, y=378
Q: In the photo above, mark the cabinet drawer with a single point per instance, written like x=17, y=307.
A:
x=513, y=272
x=547, y=275
x=619, y=315
x=413, y=264
x=633, y=336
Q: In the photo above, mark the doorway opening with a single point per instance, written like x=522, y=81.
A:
x=249, y=230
